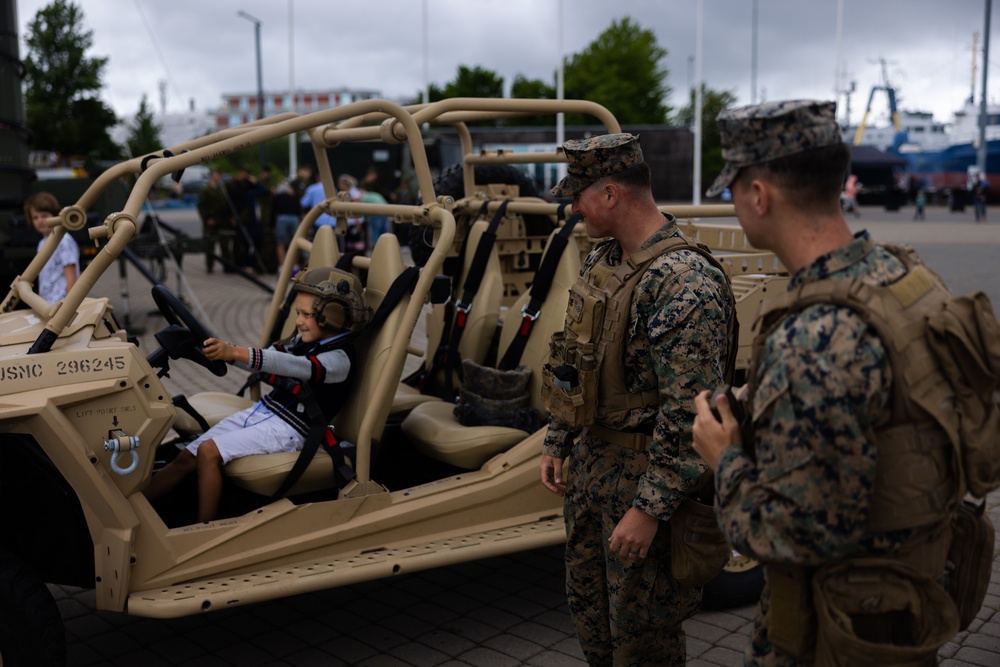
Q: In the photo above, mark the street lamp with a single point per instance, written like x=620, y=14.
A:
x=260, y=85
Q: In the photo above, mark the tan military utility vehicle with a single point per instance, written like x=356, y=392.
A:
x=85, y=419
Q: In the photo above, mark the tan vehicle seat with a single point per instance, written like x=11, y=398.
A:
x=479, y=329
x=264, y=473
x=215, y=406
x=433, y=428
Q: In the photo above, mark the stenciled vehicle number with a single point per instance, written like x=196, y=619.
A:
x=92, y=365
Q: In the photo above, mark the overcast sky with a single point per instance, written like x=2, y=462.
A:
x=202, y=49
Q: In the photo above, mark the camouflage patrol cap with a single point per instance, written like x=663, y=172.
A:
x=594, y=158
x=763, y=132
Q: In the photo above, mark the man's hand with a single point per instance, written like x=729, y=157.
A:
x=712, y=437
x=633, y=534
x=551, y=469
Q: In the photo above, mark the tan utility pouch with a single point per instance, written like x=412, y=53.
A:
x=791, y=624
x=971, y=558
x=875, y=612
x=569, y=381
x=698, y=549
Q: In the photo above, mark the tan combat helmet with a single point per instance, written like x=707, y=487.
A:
x=340, y=302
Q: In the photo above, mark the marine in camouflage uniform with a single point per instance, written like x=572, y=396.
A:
x=627, y=608
x=822, y=386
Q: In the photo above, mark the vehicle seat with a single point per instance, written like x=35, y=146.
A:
x=433, y=428
x=215, y=406
x=264, y=473
x=479, y=329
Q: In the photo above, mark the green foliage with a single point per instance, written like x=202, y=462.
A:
x=144, y=136
x=620, y=70
x=532, y=89
x=62, y=86
x=713, y=102
x=475, y=82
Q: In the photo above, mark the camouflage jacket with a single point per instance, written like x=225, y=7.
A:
x=824, y=383
x=676, y=342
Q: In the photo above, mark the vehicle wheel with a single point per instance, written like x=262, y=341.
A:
x=451, y=182
x=31, y=629
x=738, y=585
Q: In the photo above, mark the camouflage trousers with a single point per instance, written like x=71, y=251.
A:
x=627, y=612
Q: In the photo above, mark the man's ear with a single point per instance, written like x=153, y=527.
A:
x=760, y=196
x=611, y=192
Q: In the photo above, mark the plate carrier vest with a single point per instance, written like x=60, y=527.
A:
x=593, y=343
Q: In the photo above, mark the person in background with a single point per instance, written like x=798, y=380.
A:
x=218, y=222
x=287, y=214
x=920, y=202
x=356, y=229
x=245, y=190
x=62, y=270
x=979, y=194
x=314, y=195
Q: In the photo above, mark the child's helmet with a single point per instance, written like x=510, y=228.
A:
x=340, y=303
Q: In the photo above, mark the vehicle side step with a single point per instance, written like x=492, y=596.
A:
x=195, y=597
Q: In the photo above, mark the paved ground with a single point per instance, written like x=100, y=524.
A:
x=496, y=613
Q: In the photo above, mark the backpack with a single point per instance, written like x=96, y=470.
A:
x=964, y=337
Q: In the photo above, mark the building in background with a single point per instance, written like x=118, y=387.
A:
x=240, y=108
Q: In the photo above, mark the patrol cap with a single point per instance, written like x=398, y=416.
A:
x=772, y=130
x=594, y=158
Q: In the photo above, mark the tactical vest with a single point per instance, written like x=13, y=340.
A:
x=918, y=485
x=584, y=379
x=285, y=399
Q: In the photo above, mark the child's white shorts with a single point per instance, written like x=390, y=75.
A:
x=255, y=430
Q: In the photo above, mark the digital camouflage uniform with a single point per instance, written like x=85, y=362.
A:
x=629, y=611
x=823, y=386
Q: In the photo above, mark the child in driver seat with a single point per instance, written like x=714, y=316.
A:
x=328, y=304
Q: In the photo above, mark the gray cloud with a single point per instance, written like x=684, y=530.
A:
x=208, y=50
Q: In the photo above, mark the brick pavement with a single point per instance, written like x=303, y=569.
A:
x=498, y=612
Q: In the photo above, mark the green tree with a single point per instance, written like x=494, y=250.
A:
x=622, y=71
x=144, y=135
x=713, y=102
x=524, y=88
x=474, y=82
x=62, y=85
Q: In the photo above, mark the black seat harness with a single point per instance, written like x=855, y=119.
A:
x=446, y=357
x=540, y=287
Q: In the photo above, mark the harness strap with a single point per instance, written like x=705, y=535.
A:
x=453, y=361
x=540, y=286
x=441, y=358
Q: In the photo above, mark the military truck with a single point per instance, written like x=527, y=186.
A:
x=85, y=418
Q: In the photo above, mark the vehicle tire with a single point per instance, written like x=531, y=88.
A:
x=738, y=585
x=31, y=628
x=451, y=182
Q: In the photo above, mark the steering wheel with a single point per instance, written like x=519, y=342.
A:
x=187, y=346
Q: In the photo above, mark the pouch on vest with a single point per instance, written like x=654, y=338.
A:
x=569, y=381
x=971, y=557
x=492, y=397
x=791, y=624
x=875, y=612
x=698, y=549
x=965, y=338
